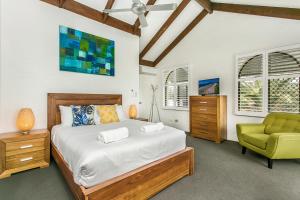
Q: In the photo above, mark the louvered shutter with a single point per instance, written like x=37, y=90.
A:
x=176, y=88
x=182, y=87
x=250, y=83
x=283, y=80
x=169, y=91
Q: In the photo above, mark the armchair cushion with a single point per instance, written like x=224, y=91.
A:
x=284, y=145
x=250, y=128
x=282, y=122
x=257, y=139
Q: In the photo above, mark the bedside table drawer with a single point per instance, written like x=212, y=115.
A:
x=25, y=146
x=21, y=160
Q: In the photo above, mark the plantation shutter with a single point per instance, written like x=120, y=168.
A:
x=250, y=84
x=283, y=80
x=182, y=87
x=169, y=89
x=176, y=88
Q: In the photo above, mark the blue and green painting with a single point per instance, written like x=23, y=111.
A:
x=85, y=53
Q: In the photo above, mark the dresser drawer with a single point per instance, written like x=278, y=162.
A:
x=25, y=146
x=24, y=159
x=207, y=127
x=204, y=110
x=203, y=134
x=204, y=101
x=198, y=117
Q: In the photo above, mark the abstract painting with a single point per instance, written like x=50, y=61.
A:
x=85, y=53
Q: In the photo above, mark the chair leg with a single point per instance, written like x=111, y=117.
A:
x=270, y=163
x=244, y=150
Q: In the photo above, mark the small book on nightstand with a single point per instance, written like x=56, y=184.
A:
x=20, y=152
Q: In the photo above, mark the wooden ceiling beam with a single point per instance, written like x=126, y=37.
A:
x=137, y=22
x=94, y=14
x=147, y=63
x=164, y=27
x=108, y=5
x=279, y=12
x=61, y=3
x=186, y=31
x=206, y=4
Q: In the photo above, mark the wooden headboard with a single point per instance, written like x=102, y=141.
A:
x=57, y=99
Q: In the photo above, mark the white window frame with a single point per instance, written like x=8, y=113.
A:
x=265, y=79
x=167, y=71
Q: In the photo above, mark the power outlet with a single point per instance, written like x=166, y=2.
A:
x=173, y=120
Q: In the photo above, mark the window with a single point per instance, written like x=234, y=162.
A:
x=176, y=88
x=268, y=81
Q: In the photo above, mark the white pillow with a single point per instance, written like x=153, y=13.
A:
x=121, y=114
x=97, y=118
x=66, y=115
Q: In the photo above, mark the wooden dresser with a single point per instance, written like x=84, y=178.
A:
x=19, y=152
x=208, y=117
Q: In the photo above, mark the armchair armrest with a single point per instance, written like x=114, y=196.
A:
x=250, y=128
x=284, y=145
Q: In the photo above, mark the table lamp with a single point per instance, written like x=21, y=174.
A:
x=132, y=111
x=25, y=120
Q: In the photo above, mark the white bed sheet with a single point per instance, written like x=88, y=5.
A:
x=93, y=162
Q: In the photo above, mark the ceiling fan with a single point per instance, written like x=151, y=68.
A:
x=139, y=8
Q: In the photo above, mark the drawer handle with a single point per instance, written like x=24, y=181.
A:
x=26, y=146
x=203, y=109
x=203, y=102
x=26, y=159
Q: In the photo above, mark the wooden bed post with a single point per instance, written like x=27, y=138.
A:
x=192, y=162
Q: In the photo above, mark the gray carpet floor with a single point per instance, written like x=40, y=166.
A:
x=222, y=173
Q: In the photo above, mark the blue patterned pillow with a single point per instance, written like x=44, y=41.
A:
x=83, y=115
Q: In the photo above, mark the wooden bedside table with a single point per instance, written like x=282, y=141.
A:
x=20, y=152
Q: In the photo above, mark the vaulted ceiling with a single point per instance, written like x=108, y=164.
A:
x=167, y=28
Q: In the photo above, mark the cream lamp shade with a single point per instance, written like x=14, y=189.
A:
x=132, y=111
x=25, y=120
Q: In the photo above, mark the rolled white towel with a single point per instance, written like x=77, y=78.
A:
x=152, y=127
x=113, y=135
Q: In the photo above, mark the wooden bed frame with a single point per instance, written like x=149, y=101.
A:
x=141, y=183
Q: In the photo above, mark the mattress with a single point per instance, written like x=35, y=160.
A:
x=93, y=162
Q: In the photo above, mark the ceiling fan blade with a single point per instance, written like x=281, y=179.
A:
x=159, y=7
x=117, y=10
x=143, y=20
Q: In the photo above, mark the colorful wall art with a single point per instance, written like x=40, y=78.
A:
x=85, y=53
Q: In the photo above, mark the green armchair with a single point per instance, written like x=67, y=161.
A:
x=278, y=137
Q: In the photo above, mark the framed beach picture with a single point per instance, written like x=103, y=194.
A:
x=85, y=53
x=209, y=87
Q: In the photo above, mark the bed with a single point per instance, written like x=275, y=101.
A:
x=135, y=183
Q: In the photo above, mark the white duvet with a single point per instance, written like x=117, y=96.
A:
x=93, y=162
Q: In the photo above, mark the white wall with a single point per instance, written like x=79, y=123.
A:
x=146, y=81
x=30, y=60
x=1, y=13
x=210, y=50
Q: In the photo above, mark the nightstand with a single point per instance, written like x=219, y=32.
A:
x=20, y=152
x=142, y=119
